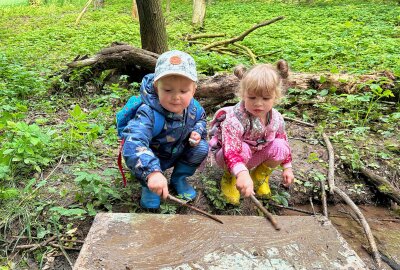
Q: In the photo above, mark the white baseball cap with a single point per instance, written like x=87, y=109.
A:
x=175, y=63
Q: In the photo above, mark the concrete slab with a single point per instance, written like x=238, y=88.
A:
x=152, y=241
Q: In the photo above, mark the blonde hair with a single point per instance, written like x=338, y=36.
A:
x=262, y=80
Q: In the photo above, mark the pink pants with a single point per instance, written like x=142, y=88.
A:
x=273, y=154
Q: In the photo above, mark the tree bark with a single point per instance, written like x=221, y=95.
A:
x=135, y=14
x=199, y=12
x=152, y=26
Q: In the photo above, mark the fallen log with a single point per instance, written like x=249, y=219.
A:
x=136, y=62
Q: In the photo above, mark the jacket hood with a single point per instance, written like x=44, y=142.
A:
x=150, y=97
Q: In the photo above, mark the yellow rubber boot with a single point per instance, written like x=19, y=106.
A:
x=260, y=176
x=228, y=188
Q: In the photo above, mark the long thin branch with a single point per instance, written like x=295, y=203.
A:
x=364, y=224
x=243, y=35
x=298, y=121
x=83, y=12
x=382, y=184
x=323, y=198
x=204, y=35
x=291, y=208
x=249, y=52
x=331, y=172
x=350, y=203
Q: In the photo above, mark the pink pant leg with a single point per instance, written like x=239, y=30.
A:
x=273, y=154
x=246, y=155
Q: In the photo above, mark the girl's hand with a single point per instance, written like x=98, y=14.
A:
x=157, y=183
x=244, y=184
x=194, y=139
x=287, y=176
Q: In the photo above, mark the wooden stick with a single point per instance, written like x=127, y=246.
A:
x=184, y=203
x=364, y=224
x=83, y=11
x=292, y=208
x=249, y=53
x=243, y=35
x=298, y=121
x=383, y=185
x=323, y=198
x=197, y=36
x=267, y=214
x=312, y=206
x=331, y=172
x=353, y=206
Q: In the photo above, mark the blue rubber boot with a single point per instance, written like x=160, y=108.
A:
x=149, y=199
x=178, y=181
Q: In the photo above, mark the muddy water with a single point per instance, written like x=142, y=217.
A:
x=385, y=226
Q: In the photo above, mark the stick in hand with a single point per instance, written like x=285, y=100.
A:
x=184, y=203
x=266, y=212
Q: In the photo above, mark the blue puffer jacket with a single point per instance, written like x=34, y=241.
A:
x=144, y=154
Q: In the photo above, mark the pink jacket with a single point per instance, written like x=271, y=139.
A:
x=239, y=126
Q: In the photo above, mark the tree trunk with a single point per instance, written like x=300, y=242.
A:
x=199, y=11
x=152, y=26
x=135, y=14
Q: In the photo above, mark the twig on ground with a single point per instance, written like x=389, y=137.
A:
x=323, y=198
x=312, y=206
x=364, y=224
x=382, y=184
x=249, y=52
x=298, y=121
x=241, y=36
x=331, y=172
x=83, y=12
x=350, y=203
x=197, y=36
x=291, y=208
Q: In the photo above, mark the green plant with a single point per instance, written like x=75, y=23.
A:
x=378, y=93
x=168, y=208
x=280, y=197
x=80, y=132
x=26, y=147
x=97, y=188
x=213, y=193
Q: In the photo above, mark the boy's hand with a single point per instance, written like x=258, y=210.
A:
x=287, y=176
x=244, y=184
x=194, y=139
x=157, y=183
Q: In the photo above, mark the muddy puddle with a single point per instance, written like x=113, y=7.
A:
x=384, y=223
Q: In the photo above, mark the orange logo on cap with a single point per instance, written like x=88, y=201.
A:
x=175, y=60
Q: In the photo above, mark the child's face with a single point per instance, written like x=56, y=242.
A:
x=258, y=105
x=175, y=92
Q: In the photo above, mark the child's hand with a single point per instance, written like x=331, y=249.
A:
x=194, y=139
x=287, y=176
x=244, y=184
x=157, y=183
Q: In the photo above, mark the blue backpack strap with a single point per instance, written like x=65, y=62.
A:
x=198, y=109
x=127, y=113
x=159, y=121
